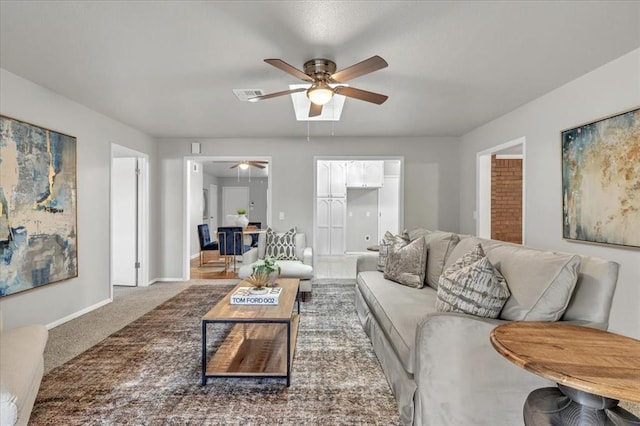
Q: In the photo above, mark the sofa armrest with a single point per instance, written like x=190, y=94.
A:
x=367, y=262
x=250, y=256
x=461, y=378
x=307, y=256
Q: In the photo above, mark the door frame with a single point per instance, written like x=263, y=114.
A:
x=351, y=158
x=187, y=161
x=143, y=213
x=482, y=213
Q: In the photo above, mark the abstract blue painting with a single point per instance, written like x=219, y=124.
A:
x=38, y=214
x=601, y=181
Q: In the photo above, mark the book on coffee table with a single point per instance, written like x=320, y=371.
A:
x=243, y=296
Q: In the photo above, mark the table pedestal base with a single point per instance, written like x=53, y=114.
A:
x=567, y=406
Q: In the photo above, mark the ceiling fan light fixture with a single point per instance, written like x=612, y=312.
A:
x=320, y=93
x=244, y=166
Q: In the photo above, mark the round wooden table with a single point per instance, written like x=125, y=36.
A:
x=593, y=368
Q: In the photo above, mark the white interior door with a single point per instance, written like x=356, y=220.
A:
x=124, y=199
x=233, y=198
x=213, y=211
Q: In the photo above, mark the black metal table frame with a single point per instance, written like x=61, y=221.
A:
x=206, y=376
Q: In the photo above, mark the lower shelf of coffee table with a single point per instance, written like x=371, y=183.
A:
x=254, y=350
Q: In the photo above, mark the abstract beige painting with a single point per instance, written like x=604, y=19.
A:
x=601, y=181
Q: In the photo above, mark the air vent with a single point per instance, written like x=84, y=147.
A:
x=246, y=94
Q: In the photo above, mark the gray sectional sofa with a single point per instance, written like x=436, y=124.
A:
x=441, y=366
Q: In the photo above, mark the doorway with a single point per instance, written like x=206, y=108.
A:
x=129, y=217
x=500, y=195
x=217, y=174
x=356, y=200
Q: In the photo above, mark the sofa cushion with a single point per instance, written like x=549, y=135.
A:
x=472, y=286
x=281, y=246
x=398, y=309
x=439, y=244
x=406, y=264
x=414, y=234
x=541, y=282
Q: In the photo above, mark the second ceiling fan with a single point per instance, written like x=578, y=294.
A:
x=321, y=73
x=244, y=165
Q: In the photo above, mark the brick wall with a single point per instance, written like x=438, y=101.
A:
x=506, y=200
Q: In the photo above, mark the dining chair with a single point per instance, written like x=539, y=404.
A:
x=230, y=239
x=205, y=241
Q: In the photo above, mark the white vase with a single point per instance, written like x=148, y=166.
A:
x=242, y=220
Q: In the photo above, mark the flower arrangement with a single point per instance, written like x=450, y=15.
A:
x=262, y=271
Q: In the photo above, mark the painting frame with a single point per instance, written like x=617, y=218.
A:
x=38, y=206
x=601, y=181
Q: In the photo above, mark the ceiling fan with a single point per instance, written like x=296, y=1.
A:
x=322, y=75
x=244, y=165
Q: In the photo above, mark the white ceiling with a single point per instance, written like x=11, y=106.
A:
x=168, y=67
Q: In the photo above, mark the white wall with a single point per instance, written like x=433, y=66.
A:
x=95, y=132
x=196, y=209
x=431, y=180
x=612, y=88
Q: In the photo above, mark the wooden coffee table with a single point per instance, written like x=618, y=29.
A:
x=262, y=340
x=593, y=368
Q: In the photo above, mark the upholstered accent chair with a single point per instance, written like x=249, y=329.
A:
x=205, y=241
x=230, y=240
x=301, y=267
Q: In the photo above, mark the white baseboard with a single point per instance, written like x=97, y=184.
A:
x=195, y=256
x=78, y=314
x=164, y=280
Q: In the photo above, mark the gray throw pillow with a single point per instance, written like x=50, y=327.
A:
x=281, y=246
x=387, y=241
x=472, y=286
x=406, y=264
x=440, y=244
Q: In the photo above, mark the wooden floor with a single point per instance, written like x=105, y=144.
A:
x=212, y=269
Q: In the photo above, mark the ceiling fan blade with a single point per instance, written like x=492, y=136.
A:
x=276, y=94
x=367, y=66
x=315, y=110
x=282, y=65
x=363, y=95
x=259, y=166
x=234, y=166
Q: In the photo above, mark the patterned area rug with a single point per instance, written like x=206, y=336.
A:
x=148, y=373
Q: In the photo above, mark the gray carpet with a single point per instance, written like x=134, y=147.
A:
x=129, y=303
x=148, y=373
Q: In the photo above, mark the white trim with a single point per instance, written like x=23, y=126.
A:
x=481, y=158
x=143, y=214
x=78, y=314
x=166, y=280
x=186, y=235
x=509, y=156
x=314, y=194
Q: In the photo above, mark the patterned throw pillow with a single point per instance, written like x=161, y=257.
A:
x=281, y=246
x=387, y=241
x=472, y=286
x=406, y=264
